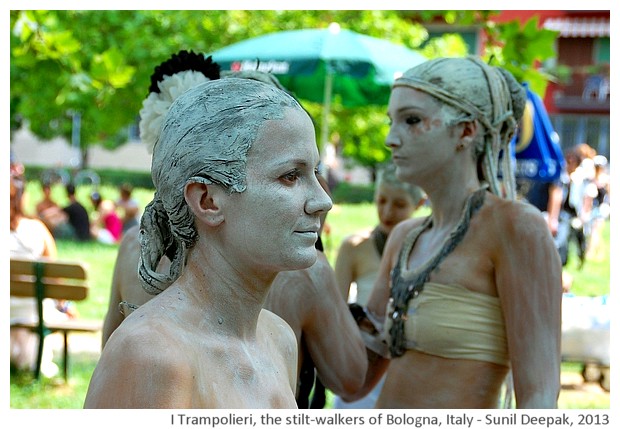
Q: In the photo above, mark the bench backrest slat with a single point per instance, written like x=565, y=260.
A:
x=61, y=280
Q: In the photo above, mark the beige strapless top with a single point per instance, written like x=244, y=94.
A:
x=452, y=321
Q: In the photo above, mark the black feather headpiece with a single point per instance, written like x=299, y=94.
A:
x=182, y=61
x=171, y=78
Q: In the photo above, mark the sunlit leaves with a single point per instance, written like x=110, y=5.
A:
x=449, y=44
x=110, y=66
x=521, y=49
x=98, y=62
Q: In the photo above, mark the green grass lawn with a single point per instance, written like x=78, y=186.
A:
x=591, y=280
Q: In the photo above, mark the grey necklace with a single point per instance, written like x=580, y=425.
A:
x=411, y=283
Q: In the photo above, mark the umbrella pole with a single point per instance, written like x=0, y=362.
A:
x=327, y=98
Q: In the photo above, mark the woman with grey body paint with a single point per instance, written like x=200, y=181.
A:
x=305, y=299
x=472, y=293
x=237, y=201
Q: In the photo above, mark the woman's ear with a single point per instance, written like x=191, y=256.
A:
x=467, y=134
x=203, y=200
x=420, y=203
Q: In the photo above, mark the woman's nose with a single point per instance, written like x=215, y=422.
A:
x=387, y=211
x=319, y=202
x=392, y=140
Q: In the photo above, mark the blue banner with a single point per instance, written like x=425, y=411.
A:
x=537, y=151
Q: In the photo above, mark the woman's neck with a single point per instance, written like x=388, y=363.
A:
x=447, y=201
x=230, y=298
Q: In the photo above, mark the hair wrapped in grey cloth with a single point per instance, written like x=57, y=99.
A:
x=205, y=137
x=477, y=91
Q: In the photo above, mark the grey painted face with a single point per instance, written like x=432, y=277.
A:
x=209, y=129
x=205, y=137
x=475, y=91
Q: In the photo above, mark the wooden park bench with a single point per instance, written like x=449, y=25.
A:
x=42, y=279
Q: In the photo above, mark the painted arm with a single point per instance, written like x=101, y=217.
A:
x=377, y=302
x=126, y=259
x=528, y=276
x=331, y=335
x=344, y=269
x=113, y=317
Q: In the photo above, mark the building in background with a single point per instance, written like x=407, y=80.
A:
x=578, y=103
x=58, y=153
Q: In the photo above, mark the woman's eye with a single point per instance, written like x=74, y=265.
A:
x=291, y=176
x=412, y=120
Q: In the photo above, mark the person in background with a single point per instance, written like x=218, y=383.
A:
x=471, y=293
x=600, y=207
x=16, y=167
x=52, y=215
x=106, y=225
x=359, y=256
x=243, y=207
x=30, y=239
x=77, y=215
x=47, y=202
x=129, y=207
x=581, y=193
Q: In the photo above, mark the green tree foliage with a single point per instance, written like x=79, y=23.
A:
x=98, y=63
x=520, y=48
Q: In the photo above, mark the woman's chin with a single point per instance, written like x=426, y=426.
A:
x=301, y=260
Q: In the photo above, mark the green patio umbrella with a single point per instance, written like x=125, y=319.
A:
x=318, y=64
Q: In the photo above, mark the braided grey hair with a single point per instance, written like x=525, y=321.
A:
x=473, y=90
x=205, y=138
